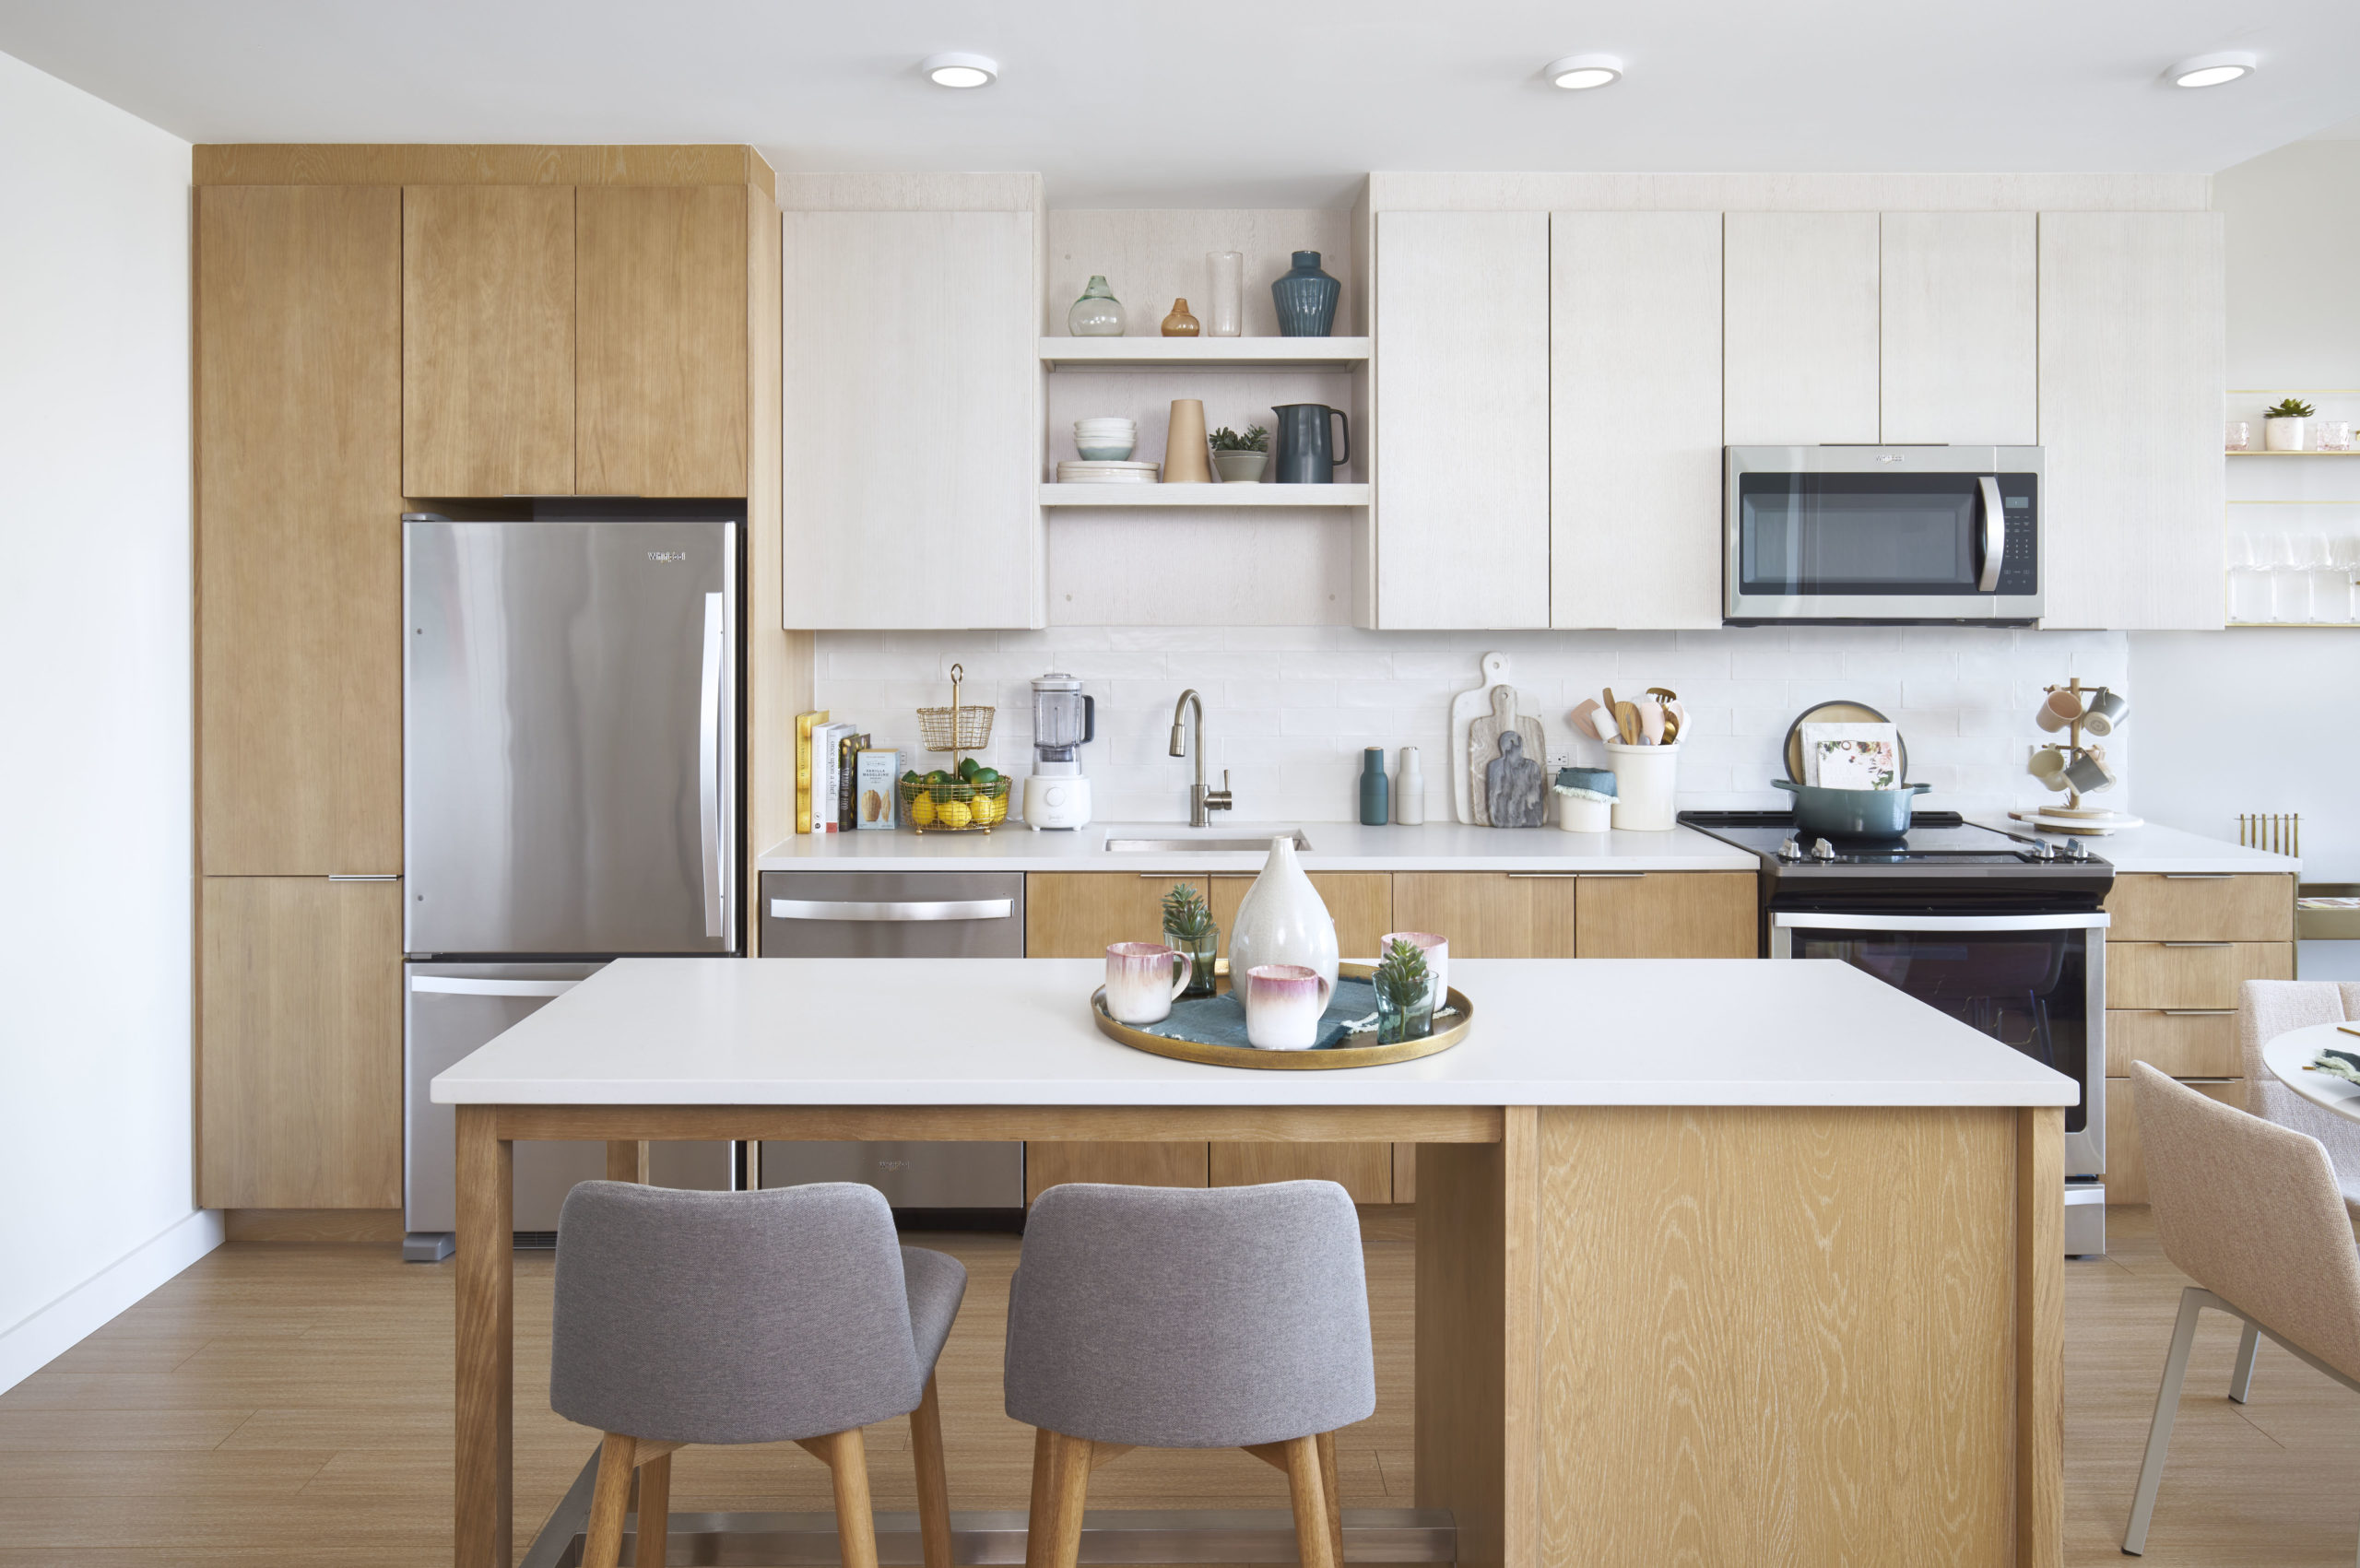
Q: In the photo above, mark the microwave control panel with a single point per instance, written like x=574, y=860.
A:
x=2020, y=538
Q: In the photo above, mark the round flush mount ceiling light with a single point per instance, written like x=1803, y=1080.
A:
x=2211, y=70
x=1577, y=72
x=959, y=70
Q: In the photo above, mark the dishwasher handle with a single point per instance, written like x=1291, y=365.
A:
x=896, y=909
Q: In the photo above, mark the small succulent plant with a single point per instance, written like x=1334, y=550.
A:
x=1256, y=439
x=1185, y=913
x=1401, y=975
x=2292, y=409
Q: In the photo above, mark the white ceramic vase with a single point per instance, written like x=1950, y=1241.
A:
x=1283, y=920
x=2283, y=435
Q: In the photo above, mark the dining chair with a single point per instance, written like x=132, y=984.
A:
x=2252, y=1213
x=1208, y=1318
x=2268, y=1008
x=792, y=1315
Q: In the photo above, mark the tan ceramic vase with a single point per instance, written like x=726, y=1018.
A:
x=1179, y=324
x=1185, y=460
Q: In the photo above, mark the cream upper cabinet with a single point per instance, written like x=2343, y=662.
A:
x=1635, y=370
x=1800, y=339
x=2130, y=384
x=912, y=433
x=1961, y=312
x=1462, y=415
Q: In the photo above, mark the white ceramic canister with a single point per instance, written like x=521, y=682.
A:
x=1283, y=920
x=1644, y=776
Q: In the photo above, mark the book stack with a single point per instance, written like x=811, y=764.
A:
x=826, y=757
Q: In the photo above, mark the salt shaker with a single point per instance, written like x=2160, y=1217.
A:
x=1409, y=791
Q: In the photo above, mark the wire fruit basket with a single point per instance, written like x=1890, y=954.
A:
x=967, y=797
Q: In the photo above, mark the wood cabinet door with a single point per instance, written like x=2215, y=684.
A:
x=1490, y=914
x=660, y=294
x=2149, y=907
x=299, y=1059
x=2132, y=366
x=912, y=444
x=2184, y=1042
x=1799, y=319
x=2125, y=1171
x=2203, y=975
x=1667, y=915
x=1961, y=327
x=1634, y=506
x=487, y=340
x=1462, y=420
x=299, y=501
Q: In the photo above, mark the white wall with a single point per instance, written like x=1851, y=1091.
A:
x=2253, y=720
x=1289, y=709
x=95, y=1101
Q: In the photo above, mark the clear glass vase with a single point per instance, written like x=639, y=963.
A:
x=1401, y=1017
x=1097, y=313
x=1202, y=951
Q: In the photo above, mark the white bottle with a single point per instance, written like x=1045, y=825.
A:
x=1281, y=920
x=1409, y=791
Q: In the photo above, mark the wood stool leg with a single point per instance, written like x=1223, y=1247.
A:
x=1037, y=1529
x=1070, y=1498
x=1334, y=1496
x=1312, y=1547
x=610, y=1501
x=847, y=1459
x=934, y=1479
x=655, y=1513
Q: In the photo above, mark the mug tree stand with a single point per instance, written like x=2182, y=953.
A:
x=2073, y=816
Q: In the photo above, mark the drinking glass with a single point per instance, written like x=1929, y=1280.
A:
x=1226, y=272
x=2342, y=598
x=2249, y=580
x=2237, y=436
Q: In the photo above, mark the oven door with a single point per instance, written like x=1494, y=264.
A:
x=2035, y=983
x=1882, y=533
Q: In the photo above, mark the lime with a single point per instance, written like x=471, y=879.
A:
x=969, y=768
x=986, y=776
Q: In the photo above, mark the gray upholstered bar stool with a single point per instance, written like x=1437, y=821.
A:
x=786, y=1315
x=1168, y=1317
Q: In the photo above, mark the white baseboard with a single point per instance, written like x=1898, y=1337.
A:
x=32, y=1344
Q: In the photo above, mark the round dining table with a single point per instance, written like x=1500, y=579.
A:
x=2290, y=1055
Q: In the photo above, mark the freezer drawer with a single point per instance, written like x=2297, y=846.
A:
x=449, y=1010
x=910, y=1175
x=892, y=914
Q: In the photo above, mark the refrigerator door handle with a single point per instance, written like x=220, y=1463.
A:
x=709, y=732
x=461, y=985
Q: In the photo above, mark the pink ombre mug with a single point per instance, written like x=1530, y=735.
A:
x=1141, y=982
x=1283, y=1004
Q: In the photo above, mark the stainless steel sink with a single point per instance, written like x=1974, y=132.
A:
x=1205, y=844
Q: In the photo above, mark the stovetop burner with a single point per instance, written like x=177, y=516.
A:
x=1942, y=861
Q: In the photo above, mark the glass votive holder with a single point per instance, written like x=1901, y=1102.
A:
x=2237, y=436
x=2332, y=435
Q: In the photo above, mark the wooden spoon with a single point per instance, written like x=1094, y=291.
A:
x=1626, y=719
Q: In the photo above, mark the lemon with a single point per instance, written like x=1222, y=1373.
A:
x=951, y=814
x=988, y=810
x=921, y=812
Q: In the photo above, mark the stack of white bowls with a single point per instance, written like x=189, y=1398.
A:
x=1105, y=440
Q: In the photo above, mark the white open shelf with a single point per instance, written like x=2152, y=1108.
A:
x=1204, y=495
x=2258, y=452
x=1201, y=353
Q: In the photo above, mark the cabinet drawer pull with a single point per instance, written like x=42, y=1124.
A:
x=2197, y=877
x=364, y=876
x=2198, y=1013
x=2211, y=1080
x=2197, y=943
x=1547, y=876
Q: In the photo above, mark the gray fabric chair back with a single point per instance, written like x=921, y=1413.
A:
x=1174, y=1317
x=2250, y=1211
x=730, y=1318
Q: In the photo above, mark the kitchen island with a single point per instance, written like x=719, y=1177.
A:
x=1717, y=1260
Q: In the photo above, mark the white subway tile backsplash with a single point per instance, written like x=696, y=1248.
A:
x=1288, y=709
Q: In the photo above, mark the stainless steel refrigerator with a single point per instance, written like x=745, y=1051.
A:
x=569, y=796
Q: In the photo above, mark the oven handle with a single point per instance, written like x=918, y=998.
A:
x=1995, y=536
x=1933, y=923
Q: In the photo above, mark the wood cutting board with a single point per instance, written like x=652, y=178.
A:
x=1483, y=747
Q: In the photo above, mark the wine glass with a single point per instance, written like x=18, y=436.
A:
x=2249, y=580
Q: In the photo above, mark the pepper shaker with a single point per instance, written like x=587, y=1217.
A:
x=1409, y=791
x=1374, y=812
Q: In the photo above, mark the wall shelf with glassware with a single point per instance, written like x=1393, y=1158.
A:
x=1203, y=353
x=1204, y=495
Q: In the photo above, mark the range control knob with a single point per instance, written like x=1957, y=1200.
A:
x=2042, y=850
x=1823, y=850
x=1790, y=850
x=2076, y=850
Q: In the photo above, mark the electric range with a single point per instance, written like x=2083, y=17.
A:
x=2003, y=933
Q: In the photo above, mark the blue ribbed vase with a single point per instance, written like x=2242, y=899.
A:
x=1306, y=298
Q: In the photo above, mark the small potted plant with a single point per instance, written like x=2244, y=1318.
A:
x=1405, y=995
x=1240, y=459
x=1188, y=927
x=2282, y=427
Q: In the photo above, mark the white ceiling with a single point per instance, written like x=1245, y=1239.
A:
x=1223, y=103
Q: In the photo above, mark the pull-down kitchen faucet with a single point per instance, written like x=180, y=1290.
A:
x=1203, y=802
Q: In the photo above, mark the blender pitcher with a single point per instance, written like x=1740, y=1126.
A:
x=1057, y=796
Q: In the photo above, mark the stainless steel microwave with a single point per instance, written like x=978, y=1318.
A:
x=1882, y=534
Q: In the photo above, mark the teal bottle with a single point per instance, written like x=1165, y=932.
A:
x=1376, y=808
x=1307, y=299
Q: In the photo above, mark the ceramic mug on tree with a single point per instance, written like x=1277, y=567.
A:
x=1141, y=981
x=1283, y=1004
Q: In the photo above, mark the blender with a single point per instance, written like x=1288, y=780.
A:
x=1057, y=796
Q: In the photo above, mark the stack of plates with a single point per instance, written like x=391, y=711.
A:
x=1107, y=473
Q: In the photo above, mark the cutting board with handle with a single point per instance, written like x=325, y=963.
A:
x=1484, y=746
x=1465, y=709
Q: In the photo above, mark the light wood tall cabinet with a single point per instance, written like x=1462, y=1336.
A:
x=1799, y=321
x=1462, y=405
x=1635, y=374
x=1959, y=341
x=912, y=434
x=2132, y=370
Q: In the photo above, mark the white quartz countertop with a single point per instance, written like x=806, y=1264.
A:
x=2154, y=848
x=1018, y=1031
x=1335, y=846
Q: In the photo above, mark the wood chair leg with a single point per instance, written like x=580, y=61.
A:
x=655, y=1513
x=610, y=1501
x=1334, y=1495
x=1312, y=1545
x=1070, y=1498
x=846, y=1457
x=1037, y=1522
x=934, y=1479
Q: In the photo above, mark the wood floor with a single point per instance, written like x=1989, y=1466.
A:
x=291, y=1405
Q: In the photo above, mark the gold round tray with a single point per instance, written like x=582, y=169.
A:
x=1370, y=1055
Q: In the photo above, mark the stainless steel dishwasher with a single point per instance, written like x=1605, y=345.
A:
x=944, y=915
